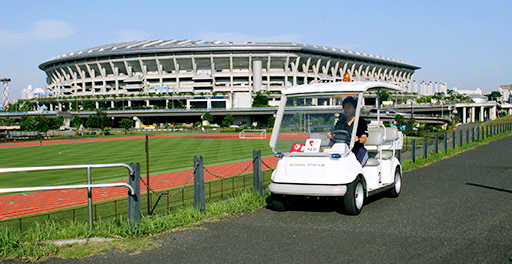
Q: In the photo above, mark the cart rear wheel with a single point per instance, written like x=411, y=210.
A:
x=279, y=202
x=354, y=198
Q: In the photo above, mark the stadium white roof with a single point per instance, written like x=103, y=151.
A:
x=157, y=46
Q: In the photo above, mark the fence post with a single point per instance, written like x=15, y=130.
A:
x=437, y=143
x=467, y=136
x=199, y=197
x=425, y=147
x=134, y=199
x=453, y=139
x=256, y=172
x=89, y=197
x=413, y=147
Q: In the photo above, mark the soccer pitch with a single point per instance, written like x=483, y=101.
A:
x=166, y=154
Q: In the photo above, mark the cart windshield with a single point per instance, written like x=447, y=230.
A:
x=312, y=117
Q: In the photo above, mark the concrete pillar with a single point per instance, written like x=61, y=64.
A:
x=112, y=104
x=256, y=79
x=481, y=114
x=129, y=103
x=464, y=115
x=188, y=104
x=472, y=114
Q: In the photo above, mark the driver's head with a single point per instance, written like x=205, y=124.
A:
x=349, y=106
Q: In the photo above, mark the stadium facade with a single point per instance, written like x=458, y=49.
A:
x=206, y=75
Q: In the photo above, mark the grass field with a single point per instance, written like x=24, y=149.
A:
x=165, y=155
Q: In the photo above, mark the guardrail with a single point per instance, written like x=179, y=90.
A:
x=133, y=214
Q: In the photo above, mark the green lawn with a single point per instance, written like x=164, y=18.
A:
x=166, y=154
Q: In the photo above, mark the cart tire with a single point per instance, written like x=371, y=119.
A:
x=395, y=191
x=279, y=202
x=354, y=198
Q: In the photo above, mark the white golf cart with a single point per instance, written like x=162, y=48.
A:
x=311, y=164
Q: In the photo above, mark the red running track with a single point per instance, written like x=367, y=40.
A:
x=29, y=203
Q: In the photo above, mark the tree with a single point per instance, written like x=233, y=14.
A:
x=260, y=100
x=99, y=120
x=208, y=117
x=42, y=123
x=126, y=124
x=56, y=123
x=76, y=121
x=27, y=123
x=493, y=96
x=227, y=121
x=384, y=96
x=400, y=121
x=271, y=121
x=89, y=105
x=410, y=124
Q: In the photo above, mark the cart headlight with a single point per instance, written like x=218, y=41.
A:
x=335, y=156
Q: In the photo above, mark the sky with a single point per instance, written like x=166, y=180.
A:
x=465, y=44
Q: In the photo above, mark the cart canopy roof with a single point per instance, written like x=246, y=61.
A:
x=340, y=87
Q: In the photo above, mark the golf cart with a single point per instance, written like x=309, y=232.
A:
x=313, y=165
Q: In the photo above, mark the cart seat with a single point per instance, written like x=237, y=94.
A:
x=385, y=155
x=380, y=138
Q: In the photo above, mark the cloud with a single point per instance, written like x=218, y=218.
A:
x=241, y=38
x=45, y=30
x=131, y=35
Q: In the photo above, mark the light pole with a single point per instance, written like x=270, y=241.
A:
x=6, y=92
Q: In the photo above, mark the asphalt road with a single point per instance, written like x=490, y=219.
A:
x=457, y=210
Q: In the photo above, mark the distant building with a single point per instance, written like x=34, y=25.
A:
x=30, y=93
x=478, y=91
x=505, y=91
x=429, y=88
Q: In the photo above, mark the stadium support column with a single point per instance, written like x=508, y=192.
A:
x=257, y=80
x=6, y=92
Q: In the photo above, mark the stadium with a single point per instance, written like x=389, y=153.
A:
x=188, y=75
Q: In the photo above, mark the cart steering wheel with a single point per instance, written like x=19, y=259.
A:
x=340, y=136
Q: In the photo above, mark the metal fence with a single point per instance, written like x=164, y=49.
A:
x=133, y=207
x=223, y=186
x=166, y=200
x=415, y=147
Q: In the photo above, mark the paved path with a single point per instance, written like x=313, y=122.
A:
x=35, y=202
x=456, y=210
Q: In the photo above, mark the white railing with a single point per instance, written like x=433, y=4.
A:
x=88, y=186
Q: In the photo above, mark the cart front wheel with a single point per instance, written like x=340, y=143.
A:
x=354, y=198
x=395, y=192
